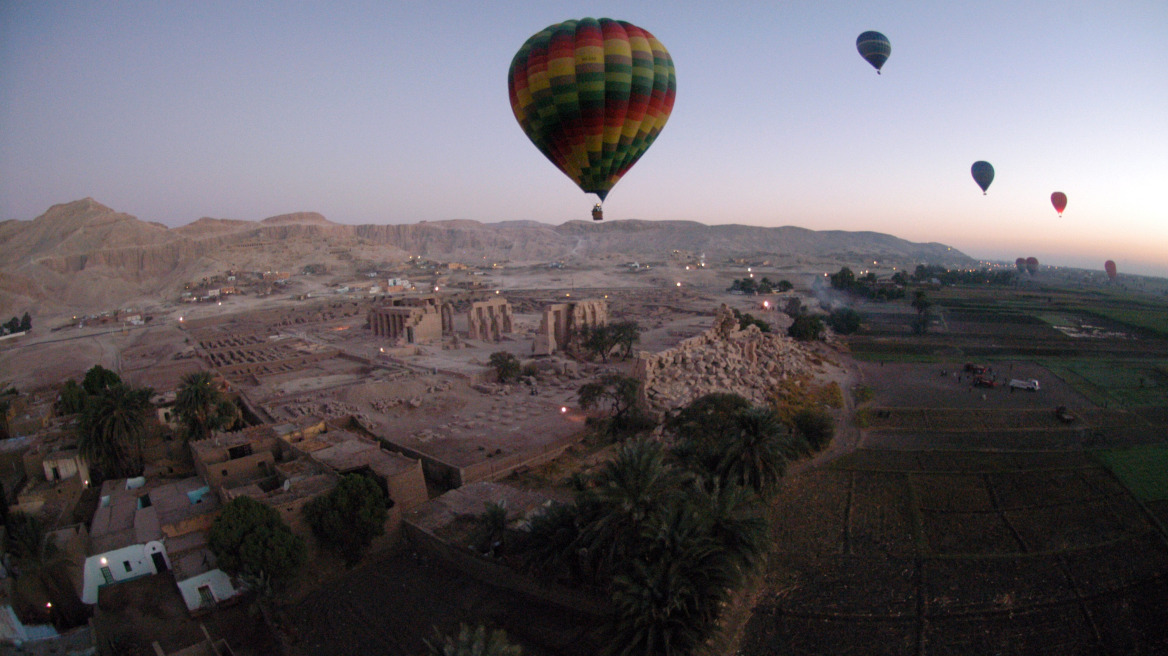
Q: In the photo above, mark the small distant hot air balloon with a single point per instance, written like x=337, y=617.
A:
x=875, y=48
x=983, y=174
x=1109, y=267
x=1059, y=200
x=592, y=95
x=1020, y=263
x=1032, y=265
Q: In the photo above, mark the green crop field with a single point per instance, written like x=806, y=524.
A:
x=1144, y=470
x=1110, y=381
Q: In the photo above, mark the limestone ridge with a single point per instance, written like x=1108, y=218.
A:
x=63, y=254
x=723, y=359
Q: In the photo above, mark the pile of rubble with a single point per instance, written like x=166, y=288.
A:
x=747, y=362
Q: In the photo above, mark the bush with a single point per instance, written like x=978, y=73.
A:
x=806, y=328
x=844, y=321
x=506, y=366
x=348, y=518
x=250, y=540
x=815, y=425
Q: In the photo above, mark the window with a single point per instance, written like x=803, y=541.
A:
x=127, y=566
x=206, y=597
x=239, y=451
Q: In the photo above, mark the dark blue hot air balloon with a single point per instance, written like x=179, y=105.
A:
x=875, y=48
x=983, y=175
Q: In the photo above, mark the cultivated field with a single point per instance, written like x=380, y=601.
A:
x=972, y=520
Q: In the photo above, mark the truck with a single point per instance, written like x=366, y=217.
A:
x=1027, y=384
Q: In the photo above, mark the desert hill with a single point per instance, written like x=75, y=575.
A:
x=83, y=256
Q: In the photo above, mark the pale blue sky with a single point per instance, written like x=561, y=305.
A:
x=392, y=112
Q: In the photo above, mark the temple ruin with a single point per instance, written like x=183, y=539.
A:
x=488, y=320
x=560, y=320
x=414, y=320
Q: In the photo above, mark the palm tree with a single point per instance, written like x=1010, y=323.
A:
x=668, y=600
x=734, y=519
x=202, y=407
x=628, y=491
x=756, y=451
x=111, y=429
x=42, y=569
x=490, y=536
x=473, y=642
x=552, y=541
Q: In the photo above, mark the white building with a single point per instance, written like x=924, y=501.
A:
x=141, y=530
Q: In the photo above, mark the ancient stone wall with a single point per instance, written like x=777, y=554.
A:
x=747, y=362
x=560, y=319
x=488, y=320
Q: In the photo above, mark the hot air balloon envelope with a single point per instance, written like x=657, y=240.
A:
x=875, y=48
x=1059, y=200
x=1032, y=265
x=1020, y=263
x=592, y=95
x=983, y=174
x=1109, y=267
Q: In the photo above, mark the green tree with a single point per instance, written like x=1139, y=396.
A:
x=550, y=546
x=699, y=428
x=844, y=321
x=506, y=366
x=735, y=520
x=112, y=427
x=43, y=568
x=98, y=379
x=921, y=304
x=598, y=341
x=250, y=541
x=473, y=642
x=668, y=600
x=843, y=279
x=815, y=425
x=71, y=400
x=806, y=328
x=618, y=395
x=626, y=334
x=785, y=286
x=349, y=517
x=752, y=454
x=26, y=322
x=627, y=491
x=900, y=278
x=746, y=319
x=201, y=406
x=490, y=537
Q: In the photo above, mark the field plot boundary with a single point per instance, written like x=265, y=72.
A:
x=1079, y=565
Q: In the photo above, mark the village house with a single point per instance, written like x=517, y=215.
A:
x=142, y=528
x=254, y=462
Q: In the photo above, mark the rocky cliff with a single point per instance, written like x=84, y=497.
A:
x=86, y=252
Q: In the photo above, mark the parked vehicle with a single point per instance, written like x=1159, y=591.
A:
x=1064, y=415
x=975, y=369
x=982, y=381
x=1030, y=384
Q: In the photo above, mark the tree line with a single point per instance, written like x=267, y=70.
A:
x=15, y=325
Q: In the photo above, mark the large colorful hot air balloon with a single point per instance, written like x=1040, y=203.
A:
x=592, y=95
x=983, y=174
x=1059, y=200
x=1109, y=267
x=1020, y=263
x=875, y=48
x=1032, y=265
